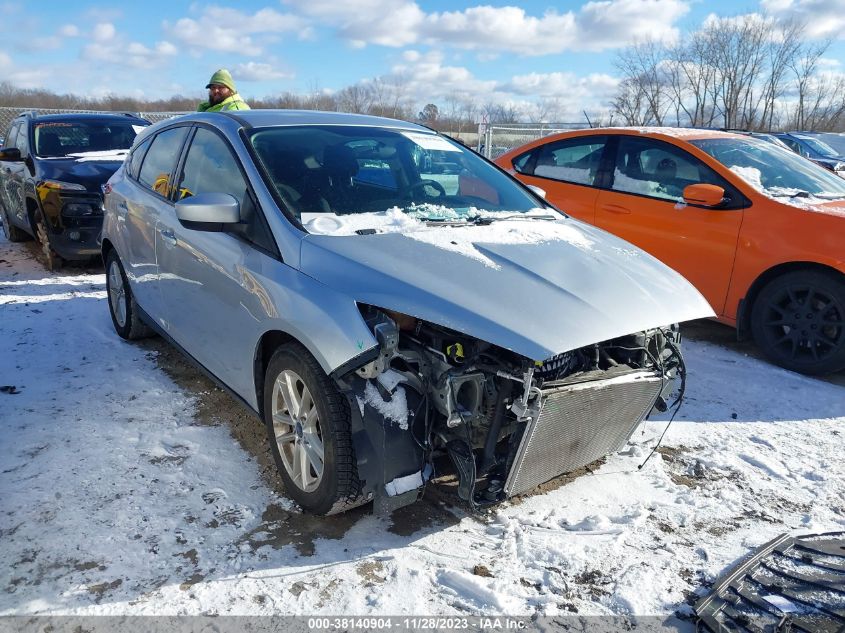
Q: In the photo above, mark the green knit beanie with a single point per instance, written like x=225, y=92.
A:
x=223, y=78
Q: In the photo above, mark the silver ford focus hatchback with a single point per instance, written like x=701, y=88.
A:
x=382, y=298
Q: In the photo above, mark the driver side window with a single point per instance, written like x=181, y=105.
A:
x=210, y=167
x=658, y=170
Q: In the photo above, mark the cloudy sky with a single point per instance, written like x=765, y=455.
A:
x=492, y=51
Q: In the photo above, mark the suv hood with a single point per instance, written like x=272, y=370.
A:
x=537, y=288
x=89, y=171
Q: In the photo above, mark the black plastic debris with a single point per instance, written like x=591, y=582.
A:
x=11, y=389
x=793, y=583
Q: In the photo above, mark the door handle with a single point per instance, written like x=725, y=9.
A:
x=616, y=208
x=168, y=236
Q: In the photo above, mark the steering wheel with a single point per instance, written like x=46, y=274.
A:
x=422, y=184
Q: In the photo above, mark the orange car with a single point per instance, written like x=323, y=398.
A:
x=757, y=229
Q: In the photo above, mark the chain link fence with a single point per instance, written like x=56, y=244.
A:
x=7, y=115
x=495, y=140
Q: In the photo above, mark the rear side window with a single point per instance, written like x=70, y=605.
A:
x=574, y=160
x=160, y=160
x=133, y=165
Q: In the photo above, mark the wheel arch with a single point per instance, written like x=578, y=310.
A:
x=746, y=304
x=269, y=342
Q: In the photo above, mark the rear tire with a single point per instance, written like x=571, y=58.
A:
x=122, y=305
x=12, y=233
x=798, y=321
x=307, y=422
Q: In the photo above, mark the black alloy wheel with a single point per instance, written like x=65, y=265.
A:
x=798, y=320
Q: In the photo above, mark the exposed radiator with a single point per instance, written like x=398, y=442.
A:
x=580, y=423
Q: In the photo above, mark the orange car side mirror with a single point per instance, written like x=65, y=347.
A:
x=704, y=195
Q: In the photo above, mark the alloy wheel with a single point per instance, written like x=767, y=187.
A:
x=296, y=426
x=117, y=293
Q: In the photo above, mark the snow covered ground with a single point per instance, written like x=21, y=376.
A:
x=121, y=493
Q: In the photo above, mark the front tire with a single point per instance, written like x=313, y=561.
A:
x=307, y=422
x=52, y=259
x=798, y=320
x=122, y=305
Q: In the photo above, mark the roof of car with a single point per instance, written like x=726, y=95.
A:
x=262, y=118
x=683, y=133
x=89, y=116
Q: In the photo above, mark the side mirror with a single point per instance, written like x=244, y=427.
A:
x=10, y=153
x=209, y=211
x=704, y=195
x=537, y=191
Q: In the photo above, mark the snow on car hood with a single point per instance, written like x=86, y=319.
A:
x=537, y=287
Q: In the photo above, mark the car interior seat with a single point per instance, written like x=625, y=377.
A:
x=340, y=165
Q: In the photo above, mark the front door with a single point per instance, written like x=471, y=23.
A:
x=644, y=205
x=212, y=282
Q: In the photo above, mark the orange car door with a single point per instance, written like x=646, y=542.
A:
x=644, y=205
x=566, y=170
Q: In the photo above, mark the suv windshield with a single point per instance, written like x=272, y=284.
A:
x=820, y=147
x=67, y=138
x=344, y=170
x=774, y=171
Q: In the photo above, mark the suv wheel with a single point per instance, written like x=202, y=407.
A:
x=798, y=320
x=122, y=304
x=12, y=233
x=52, y=259
x=307, y=423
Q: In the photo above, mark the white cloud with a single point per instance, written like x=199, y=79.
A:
x=559, y=84
x=824, y=18
x=103, y=32
x=113, y=48
x=232, y=31
x=256, y=71
x=69, y=30
x=596, y=26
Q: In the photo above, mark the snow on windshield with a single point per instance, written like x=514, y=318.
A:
x=118, y=155
x=509, y=228
x=787, y=195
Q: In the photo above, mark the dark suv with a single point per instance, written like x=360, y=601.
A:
x=52, y=168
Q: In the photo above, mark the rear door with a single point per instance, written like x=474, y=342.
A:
x=644, y=205
x=566, y=170
x=212, y=283
x=15, y=176
x=12, y=205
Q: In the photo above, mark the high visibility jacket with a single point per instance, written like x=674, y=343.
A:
x=232, y=102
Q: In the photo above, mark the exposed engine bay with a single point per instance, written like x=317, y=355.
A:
x=507, y=423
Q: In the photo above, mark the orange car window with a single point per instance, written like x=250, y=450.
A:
x=572, y=160
x=660, y=170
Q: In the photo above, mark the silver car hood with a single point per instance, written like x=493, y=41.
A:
x=537, y=299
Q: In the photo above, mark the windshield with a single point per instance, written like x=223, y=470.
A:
x=60, y=138
x=820, y=147
x=772, y=170
x=835, y=141
x=345, y=170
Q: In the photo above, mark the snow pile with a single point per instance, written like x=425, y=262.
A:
x=509, y=228
x=569, y=174
x=395, y=409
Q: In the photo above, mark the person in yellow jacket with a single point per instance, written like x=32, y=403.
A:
x=222, y=94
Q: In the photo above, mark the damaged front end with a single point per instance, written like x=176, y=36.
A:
x=508, y=423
